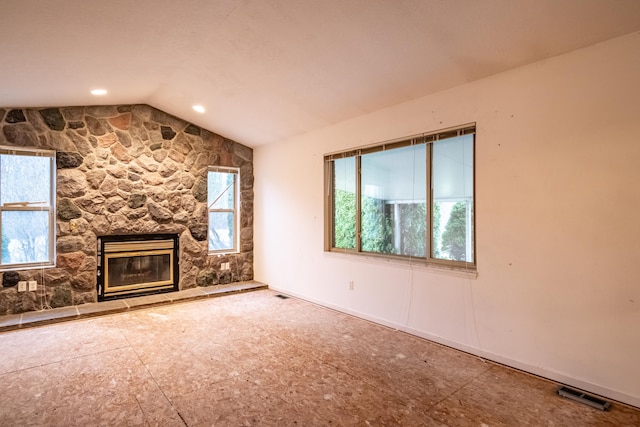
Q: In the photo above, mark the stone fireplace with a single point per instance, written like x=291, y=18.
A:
x=133, y=265
x=125, y=170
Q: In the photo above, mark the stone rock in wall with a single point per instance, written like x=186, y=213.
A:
x=2, y=111
x=174, y=200
x=95, y=126
x=53, y=118
x=107, y=140
x=114, y=204
x=84, y=297
x=124, y=138
x=122, y=122
x=187, y=181
x=27, y=302
x=207, y=277
x=157, y=194
x=82, y=145
x=84, y=281
x=57, y=141
x=56, y=276
x=10, y=278
x=177, y=156
x=67, y=210
x=181, y=217
x=9, y=302
x=109, y=187
x=100, y=225
x=15, y=116
x=120, y=152
x=67, y=244
x=188, y=279
x=71, y=183
x=95, y=177
x=167, y=132
x=117, y=171
x=66, y=160
x=244, y=152
x=192, y=129
x=92, y=203
x=75, y=125
x=158, y=213
x=133, y=214
x=168, y=168
x=159, y=154
x=62, y=296
x=19, y=135
x=72, y=260
x=199, y=190
x=190, y=246
x=199, y=231
x=137, y=200
x=152, y=179
x=182, y=145
x=147, y=163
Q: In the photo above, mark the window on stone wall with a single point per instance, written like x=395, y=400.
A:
x=27, y=197
x=223, y=200
x=410, y=199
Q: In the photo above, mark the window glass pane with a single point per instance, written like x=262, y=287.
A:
x=393, y=197
x=452, y=173
x=344, y=203
x=25, y=236
x=221, y=226
x=25, y=179
x=220, y=190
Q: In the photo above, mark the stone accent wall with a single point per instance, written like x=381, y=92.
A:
x=123, y=170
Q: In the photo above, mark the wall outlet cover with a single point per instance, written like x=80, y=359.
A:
x=22, y=286
x=33, y=285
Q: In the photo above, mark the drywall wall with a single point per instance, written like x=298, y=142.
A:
x=558, y=235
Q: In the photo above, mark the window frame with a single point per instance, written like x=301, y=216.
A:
x=429, y=139
x=235, y=210
x=50, y=208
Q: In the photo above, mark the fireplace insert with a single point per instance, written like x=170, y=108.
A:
x=134, y=265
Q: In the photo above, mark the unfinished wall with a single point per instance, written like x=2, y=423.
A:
x=125, y=170
x=558, y=236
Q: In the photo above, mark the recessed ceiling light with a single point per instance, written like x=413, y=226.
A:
x=199, y=108
x=99, y=92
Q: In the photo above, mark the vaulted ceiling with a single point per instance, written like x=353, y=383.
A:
x=267, y=70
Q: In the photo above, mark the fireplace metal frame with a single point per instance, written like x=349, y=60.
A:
x=120, y=246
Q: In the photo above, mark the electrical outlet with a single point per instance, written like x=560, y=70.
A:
x=351, y=285
x=22, y=286
x=33, y=285
x=228, y=268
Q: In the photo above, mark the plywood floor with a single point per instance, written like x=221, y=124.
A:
x=253, y=359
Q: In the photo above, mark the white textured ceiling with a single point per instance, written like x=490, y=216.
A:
x=266, y=70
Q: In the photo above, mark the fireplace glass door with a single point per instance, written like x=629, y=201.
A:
x=138, y=267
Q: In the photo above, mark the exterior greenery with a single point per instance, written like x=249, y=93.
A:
x=453, y=238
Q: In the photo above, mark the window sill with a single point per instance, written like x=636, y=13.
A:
x=22, y=267
x=412, y=263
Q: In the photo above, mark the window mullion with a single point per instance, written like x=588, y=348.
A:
x=429, y=187
x=358, y=204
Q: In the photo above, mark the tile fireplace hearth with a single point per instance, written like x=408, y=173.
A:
x=133, y=265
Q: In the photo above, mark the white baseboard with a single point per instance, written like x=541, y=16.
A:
x=535, y=370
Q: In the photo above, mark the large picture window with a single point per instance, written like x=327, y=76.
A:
x=412, y=198
x=27, y=197
x=223, y=203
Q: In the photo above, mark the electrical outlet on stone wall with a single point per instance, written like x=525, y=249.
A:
x=22, y=286
x=33, y=285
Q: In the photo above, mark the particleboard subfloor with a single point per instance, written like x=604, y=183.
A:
x=252, y=359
